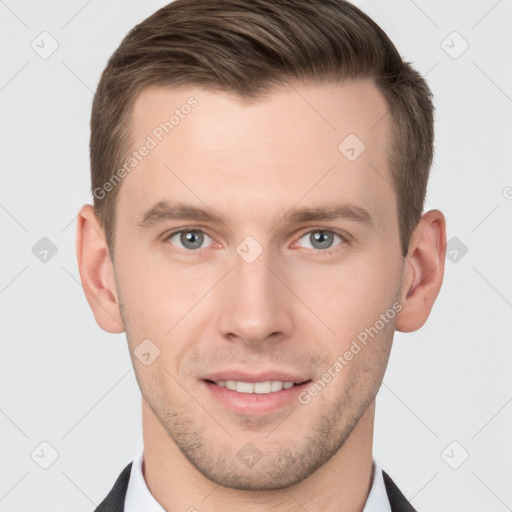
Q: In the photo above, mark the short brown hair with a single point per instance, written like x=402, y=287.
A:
x=247, y=47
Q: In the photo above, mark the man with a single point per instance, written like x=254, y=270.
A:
x=259, y=171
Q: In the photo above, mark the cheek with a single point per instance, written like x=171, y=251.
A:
x=351, y=295
x=154, y=292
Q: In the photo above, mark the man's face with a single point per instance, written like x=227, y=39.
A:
x=262, y=297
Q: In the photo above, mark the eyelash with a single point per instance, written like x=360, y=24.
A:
x=329, y=251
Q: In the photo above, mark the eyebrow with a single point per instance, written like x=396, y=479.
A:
x=164, y=211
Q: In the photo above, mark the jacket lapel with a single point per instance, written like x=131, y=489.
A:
x=397, y=500
x=114, y=502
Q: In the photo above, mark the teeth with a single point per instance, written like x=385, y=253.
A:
x=261, y=388
x=245, y=387
x=276, y=386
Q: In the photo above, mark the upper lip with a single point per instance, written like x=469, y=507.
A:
x=270, y=375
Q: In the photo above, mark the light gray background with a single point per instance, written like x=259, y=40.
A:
x=66, y=382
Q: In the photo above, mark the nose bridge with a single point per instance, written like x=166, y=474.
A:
x=254, y=302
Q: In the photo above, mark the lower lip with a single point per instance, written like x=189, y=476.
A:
x=255, y=403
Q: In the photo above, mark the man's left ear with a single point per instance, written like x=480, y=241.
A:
x=424, y=271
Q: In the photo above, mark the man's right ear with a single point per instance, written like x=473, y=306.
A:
x=96, y=271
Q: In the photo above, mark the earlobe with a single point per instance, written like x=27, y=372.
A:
x=424, y=271
x=96, y=271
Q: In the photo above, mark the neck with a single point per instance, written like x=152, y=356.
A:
x=341, y=484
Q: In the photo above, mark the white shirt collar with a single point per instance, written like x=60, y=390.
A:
x=377, y=500
x=139, y=498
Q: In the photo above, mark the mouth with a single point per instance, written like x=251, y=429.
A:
x=259, y=388
x=252, y=395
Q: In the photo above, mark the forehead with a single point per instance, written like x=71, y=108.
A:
x=309, y=141
x=218, y=117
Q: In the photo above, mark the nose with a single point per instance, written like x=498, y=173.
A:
x=255, y=304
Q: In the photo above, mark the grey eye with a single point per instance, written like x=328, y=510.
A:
x=321, y=238
x=190, y=239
